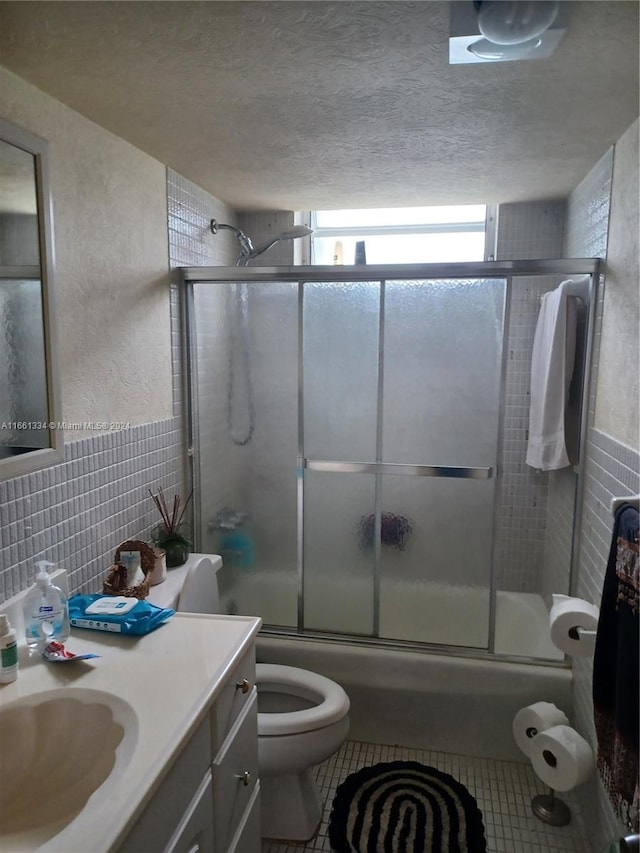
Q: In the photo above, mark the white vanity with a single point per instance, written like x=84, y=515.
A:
x=178, y=716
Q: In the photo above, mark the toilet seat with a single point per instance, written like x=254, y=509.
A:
x=332, y=703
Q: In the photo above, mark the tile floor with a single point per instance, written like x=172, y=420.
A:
x=503, y=790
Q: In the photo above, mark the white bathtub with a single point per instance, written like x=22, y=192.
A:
x=424, y=700
x=421, y=699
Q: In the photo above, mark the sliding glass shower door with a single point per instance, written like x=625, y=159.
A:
x=401, y=391
x=345, y=442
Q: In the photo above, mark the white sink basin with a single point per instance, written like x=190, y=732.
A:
x=58, y=747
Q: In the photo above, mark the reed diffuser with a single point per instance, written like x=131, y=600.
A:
x=169, y=534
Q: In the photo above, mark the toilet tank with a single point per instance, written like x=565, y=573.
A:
x=192, y=587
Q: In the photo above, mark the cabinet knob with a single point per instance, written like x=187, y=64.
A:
x=245, y=777
x=243, y=685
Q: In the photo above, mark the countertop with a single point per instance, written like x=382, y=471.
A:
x=169, y=677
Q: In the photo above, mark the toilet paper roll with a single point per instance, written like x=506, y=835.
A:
x=566, y=615
x=536, y=718
x=561, y=758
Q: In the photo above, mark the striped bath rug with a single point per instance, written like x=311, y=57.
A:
x=404, y=807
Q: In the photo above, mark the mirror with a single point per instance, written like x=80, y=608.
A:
x=29, y=398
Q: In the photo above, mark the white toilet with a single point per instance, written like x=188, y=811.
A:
x=303, y=717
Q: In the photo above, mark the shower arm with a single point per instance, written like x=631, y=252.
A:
x=246, y=246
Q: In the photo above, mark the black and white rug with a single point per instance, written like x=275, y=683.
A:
x=405, y=807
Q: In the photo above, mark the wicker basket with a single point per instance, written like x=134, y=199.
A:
x=115, y=582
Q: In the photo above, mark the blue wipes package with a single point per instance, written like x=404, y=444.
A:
x=97, y=613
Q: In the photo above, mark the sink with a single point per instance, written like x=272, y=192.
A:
x=58, y=747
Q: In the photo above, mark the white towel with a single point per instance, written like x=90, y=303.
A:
x=554, y=348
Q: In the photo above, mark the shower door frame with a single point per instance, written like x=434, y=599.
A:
x=506, y=270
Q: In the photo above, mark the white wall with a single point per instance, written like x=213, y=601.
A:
x=112, y=283
x=619, y=368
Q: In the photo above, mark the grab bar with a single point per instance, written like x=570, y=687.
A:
x=397, y=468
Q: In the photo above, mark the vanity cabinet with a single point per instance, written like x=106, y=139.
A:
x=209, y=799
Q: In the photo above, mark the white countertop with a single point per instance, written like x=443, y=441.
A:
x=169, y=677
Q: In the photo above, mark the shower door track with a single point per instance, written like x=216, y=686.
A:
x=468, y=652
x=471, y=269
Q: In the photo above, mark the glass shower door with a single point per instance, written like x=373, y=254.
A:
x=340, y=344
x=401, y=411
x=244, y=392
x=441, y=407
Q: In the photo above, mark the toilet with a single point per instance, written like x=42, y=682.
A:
x=303, y=717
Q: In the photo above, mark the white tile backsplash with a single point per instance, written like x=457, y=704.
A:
x=76, y=513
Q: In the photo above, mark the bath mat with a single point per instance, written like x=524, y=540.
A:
x=404, y=807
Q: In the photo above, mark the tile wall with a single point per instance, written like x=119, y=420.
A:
x=76, y=513
x=525, y=230
x=191, y=244
x=586, y=233
x=190, y=210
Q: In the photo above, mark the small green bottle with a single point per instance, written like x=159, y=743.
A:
x=8, y=651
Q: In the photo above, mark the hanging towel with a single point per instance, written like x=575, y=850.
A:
x=615, y=669
x=552, y=361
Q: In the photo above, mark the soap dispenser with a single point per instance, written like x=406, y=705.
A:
x=46, y=612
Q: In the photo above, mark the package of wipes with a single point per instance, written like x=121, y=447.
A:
x=116, y=613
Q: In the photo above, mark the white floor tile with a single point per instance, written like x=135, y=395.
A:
x=503, y=790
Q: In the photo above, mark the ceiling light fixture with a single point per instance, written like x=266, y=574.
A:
x=505, y=30
x=515, y=21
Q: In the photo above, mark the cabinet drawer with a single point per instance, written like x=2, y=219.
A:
x=235, y=774
x=247, y=838
x=164, y=813
x=195, y=833
x=233, y=697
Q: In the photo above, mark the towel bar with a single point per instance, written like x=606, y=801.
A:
x=634, y=500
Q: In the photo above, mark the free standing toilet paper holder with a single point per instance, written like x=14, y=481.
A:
x=549, y=809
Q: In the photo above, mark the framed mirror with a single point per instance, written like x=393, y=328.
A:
x=30, y=434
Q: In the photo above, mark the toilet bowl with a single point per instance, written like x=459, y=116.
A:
x=303, y=717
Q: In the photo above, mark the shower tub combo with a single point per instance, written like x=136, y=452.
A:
x=400, y=694
x=351, y=431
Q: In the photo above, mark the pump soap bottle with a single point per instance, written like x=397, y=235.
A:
x=46, y=612
x=8, y=651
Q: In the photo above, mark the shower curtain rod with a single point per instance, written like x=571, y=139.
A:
x=473, y=269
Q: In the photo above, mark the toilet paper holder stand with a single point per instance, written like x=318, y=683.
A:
x=549, y=809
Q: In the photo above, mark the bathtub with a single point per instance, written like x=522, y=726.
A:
x=426, y=700
x=418, y=698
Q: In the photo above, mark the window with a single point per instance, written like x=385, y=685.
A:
x=417, y=235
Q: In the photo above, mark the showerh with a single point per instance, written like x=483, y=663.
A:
x=247, y=250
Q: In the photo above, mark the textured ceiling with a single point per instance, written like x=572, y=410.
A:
x=300, y=105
